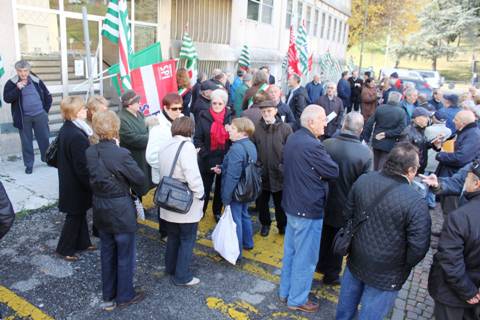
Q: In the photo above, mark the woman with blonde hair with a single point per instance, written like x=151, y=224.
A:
x=113, y=173
x=75, y=196
x=184, y=90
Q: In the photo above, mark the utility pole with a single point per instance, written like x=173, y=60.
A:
x=365, y=18
x=86, y=37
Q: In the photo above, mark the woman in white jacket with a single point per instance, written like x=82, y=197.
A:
x=160, y=130
x=181, y=228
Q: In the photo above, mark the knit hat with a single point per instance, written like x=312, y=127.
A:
x=421, y=112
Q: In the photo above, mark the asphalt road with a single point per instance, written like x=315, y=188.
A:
x=36, y=284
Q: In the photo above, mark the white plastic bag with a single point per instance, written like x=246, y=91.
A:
x=224, y=237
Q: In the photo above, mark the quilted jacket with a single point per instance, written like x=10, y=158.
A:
x=396, y=234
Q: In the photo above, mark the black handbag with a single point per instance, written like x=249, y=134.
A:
x=51, y=153
x=343, y=239
x=249, y=186
x=173, y=194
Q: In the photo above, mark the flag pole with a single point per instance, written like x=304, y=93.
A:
x=86, y=37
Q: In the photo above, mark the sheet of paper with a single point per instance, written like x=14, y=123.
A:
x=331, y=116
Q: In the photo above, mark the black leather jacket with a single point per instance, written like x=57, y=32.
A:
x=416, y=136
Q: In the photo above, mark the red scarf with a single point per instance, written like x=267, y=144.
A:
x=218, y=134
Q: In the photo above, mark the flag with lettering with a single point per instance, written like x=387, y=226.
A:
x=152, y=83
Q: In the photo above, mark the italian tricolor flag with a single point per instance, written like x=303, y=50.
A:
x=152, y=83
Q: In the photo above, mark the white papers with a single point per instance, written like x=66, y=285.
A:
x=331, y=116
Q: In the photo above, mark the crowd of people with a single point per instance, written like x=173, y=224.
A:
x=351, y=156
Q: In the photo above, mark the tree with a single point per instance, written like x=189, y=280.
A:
x=442, y=22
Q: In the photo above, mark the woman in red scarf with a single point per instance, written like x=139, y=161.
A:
x=211, y=141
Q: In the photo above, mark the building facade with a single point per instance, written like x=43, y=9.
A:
x=49, y=33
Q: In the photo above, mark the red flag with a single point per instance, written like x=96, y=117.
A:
x=152, y=83
x=310, y=62
x=293, y=59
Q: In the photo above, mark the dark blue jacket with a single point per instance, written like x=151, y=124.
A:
x=307, y=169
x=13, y=95
x=298, y=102
x=387, y=92
x=437, y=104
x=285, y=111
x=344, y=92
x=234, y=164
x=314, y=90
x=467, y=148
x=450, y=113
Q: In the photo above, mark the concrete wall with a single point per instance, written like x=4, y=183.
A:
x=9, y=139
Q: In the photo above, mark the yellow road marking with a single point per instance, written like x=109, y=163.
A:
x=22, y=307
x=238, y=310
x=287, y=315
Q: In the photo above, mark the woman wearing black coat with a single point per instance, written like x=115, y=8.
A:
x=113, y=173
x=75, y=197
x=211, y=141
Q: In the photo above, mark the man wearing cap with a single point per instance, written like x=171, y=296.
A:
x=454, y=279
x=270, y=136
x=415, y=134
x=466, y=148
x=30, y=102
x=203, y=101
x=450, y=102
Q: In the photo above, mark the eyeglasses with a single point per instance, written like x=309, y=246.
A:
x=176, y=109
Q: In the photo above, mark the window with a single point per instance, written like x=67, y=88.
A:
x=309, y=19
x=299, y=13
x=315, y=23
x=322, y=30
x=339, y=31
x=329, y=26
x=260, y=10
x=288, y=20
x=334, y=29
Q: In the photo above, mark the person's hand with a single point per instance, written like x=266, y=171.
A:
x=431, y=180
x=475, y=299
x=198, y=150
x=21, y=84
x=216, y=169
x=380, y=136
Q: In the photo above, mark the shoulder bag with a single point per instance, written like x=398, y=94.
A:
x=249, y=186
x=51, y=153
x=173, y=194
x=343, y=238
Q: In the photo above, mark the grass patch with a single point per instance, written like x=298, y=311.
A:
x=24, y=213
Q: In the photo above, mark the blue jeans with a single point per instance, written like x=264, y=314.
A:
x=118, y=266
x=178, y=256
x=244, y=225
x=300, y=255
x=39, y=125
x=430, y=195
x=376, y=303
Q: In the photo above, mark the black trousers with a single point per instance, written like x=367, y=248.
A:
x=354, y=106
x=263, y=208
x=328, y=263
x=379, y=159
x=74, y=236
x=162, y=224
x=444, y=312
x=208, y=178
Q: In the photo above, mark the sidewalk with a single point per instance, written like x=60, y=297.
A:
x=29, y=191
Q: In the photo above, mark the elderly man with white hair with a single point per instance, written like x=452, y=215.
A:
x=409, y=103
x=334, y=109
x=31, y=101
x=307, y=170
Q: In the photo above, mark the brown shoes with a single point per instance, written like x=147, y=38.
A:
x=309, y=306
x=139, y=296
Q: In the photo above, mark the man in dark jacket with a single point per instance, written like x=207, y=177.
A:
x=314, y=88
x=334, y=108
x=389, y=121
x=31, y=101
x=392, y=237
x=297, y=98
x=344, y=90
x=436, y=100
x=203, y=100
x=454, y=279
x=270, y=136
x=202, y=76
x=283, y=110
x=467, y=148
x=307, y=170
x=353, y=159
x=356, y=85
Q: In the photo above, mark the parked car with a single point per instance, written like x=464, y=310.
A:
x=432, y=77
x=421, y=85
x=402, y=73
